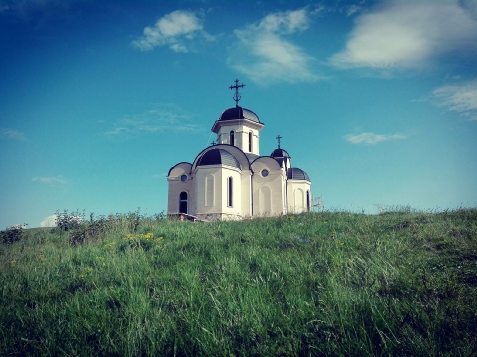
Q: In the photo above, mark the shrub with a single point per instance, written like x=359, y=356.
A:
x=68, y=221
x=12, y=234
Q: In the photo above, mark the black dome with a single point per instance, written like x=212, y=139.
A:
x=297, y=174
x=218, y=157
x=279, y=153
x=239, y=113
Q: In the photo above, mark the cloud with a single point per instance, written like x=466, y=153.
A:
x=13, y=134
x=352, y=9
x=263, y=54
x=173, y=30
x=459, y=98
x=408, y=34
x=371, y=138
x=49, y=221
x=50, y=180
x=167, y=118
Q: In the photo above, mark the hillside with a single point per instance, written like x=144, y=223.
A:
x=331, y=283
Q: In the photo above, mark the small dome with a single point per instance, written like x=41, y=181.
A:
x=297, y=174
x=279, y=153
x=218, y=157
x=239, y=113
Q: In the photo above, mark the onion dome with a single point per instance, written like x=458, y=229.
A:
x=218, y=157
x=295, y=173
x=239, y=113
x=279, y=153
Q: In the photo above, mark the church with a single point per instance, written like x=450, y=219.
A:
x=231, y=180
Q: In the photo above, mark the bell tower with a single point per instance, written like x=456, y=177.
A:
x=238, y=126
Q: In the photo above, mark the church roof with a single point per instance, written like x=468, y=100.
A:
x=279, y=153
x=218, y=157
x=239, y=113
x=295, y=173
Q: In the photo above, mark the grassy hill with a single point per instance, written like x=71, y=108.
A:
x=330, y=283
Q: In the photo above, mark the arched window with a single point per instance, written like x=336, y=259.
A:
x=265, y=201
x=250, y=138
x=209, y=190
x=308, y=201
x=230, y=191
x=232, y=138
x=183, y=202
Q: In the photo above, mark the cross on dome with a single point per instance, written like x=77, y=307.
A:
x=279, y=139
x=237, y=96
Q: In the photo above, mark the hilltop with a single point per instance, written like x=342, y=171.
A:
x=330, y=283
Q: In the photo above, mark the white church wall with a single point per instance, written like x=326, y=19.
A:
x=176, y=186
x=208, y=196
x=297, y=195
x=218, y=209
x=236, y=208
x=268, y=195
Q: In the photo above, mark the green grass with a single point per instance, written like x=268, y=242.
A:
x=330, y=283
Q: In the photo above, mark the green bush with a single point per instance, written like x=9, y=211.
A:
x=12, y=234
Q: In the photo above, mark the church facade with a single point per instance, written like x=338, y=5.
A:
x=231, y=180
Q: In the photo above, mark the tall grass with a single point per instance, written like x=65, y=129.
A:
x=331, y=283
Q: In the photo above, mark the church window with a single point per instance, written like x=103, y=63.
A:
x=183, y=202
x=265, y=200
x=230, y=191
x=265, y=172
x=308, y=201
x=232, y=138
x=184, y=178
x=209, y=190
x=298, y=200
x=250, y=138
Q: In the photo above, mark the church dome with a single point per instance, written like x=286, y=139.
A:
x=239, y=113
x=218, y=157
x=279, y=153
x=295, y=173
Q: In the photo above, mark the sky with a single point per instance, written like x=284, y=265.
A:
x=375, y=100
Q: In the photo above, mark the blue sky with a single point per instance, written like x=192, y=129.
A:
x=375, y=100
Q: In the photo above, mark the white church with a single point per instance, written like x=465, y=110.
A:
x=231, y=180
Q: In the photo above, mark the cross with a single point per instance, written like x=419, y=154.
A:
x=213, y=143
x=278, y=138
x=237, y=96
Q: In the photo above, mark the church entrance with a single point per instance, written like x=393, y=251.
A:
x=183, y=202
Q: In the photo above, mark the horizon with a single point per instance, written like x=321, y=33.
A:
x=376, y=101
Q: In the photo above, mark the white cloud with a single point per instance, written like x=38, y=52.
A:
x=408, y=34
x=49, y=221
x=173, y=30
x=263, y=54
x=371, y=138
x=459, y=98
x=352, y=9
x=167, y=118
x=13, y=134
x=49, y=180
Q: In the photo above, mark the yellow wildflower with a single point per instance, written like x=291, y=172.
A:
x=13, y=261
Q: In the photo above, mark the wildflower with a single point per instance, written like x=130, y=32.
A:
x=88, y=269
x=41, y=256
x=82, y=276
x=110, y=244
x=13, y=261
